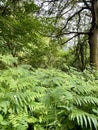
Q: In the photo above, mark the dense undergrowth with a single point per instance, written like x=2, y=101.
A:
x=48, y=99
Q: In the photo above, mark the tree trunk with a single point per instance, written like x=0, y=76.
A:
x=93, y=37
x=94, y=48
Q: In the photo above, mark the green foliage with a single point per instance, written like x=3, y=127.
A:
x=47, y=99
x=25, y=36
x=42, y=99
x=7, y=60
x=20, y=97
x=72, y=104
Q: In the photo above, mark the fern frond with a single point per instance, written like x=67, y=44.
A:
x=84, y=118
x=82, y=100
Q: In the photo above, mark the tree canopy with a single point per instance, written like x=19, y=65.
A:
x=77, y=19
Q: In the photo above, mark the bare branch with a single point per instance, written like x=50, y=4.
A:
x=73, y=32
x=76, y=34
x=79, y=33
x=70, y=39
x=87, y=5
x=73, y=16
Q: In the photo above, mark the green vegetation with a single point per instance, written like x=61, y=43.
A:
x=46, y=84
x=46, y=99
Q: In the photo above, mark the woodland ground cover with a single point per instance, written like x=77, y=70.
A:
x=48, y=99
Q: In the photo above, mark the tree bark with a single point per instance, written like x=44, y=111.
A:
x=93, y=36
x=94, y=49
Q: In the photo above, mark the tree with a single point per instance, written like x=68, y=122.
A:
x=21, y=31
x=24, y=35
x=76, y=18
x=17, y=27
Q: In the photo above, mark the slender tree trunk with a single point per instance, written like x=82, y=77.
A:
x=93, y=36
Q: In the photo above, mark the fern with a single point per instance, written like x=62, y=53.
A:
x=86, y=100
x=20, y=93
x=75, y=102
x=84, y=119
x=47, y=99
